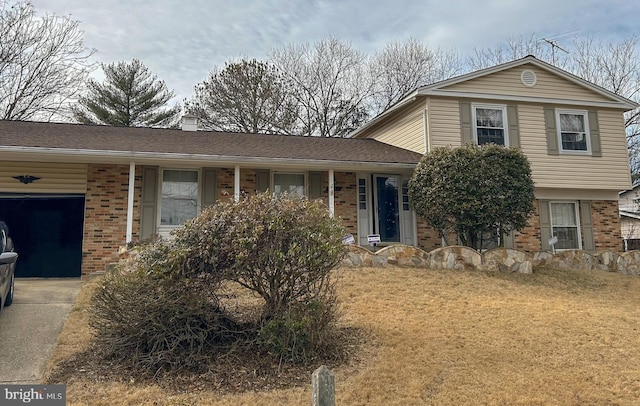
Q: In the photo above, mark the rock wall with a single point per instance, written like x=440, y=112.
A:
x=498, y=259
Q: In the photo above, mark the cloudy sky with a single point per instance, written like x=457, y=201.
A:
x=180, y=41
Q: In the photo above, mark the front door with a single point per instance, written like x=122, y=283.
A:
x=387, y=207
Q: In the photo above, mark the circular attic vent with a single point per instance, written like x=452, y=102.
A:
x=528, y=78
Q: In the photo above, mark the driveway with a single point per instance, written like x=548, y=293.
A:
x=30, y=326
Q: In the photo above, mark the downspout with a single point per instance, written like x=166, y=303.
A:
x=332, y=204
x=130, y=193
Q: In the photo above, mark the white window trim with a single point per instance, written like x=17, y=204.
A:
x=306, y=180
x=577, y=212
x=165, y=230
x=505, y=124
x=587, y=135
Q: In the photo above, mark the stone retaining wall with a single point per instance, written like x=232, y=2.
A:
x=498, y=259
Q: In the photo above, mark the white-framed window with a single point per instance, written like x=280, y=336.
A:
x=490, y=124
x=289, y=183
x=565, y=224
x=573, y=131
x=179, y=196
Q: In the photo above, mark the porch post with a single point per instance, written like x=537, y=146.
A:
x=332, y=204
x=130, y=193
x=236, y=184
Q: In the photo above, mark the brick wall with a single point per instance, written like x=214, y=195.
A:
x=606, y=225
x=529, y=239
x=105, y=221
x=346, y=201
x=225, y=183
x=606, y=228
x=428, y=238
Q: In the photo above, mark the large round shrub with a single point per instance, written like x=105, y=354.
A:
x=282, y=248
x=164, y=308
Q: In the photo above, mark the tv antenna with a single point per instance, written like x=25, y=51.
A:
x=553, y=41
x=554, y=45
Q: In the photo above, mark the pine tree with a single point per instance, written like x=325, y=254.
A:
x=130, y=96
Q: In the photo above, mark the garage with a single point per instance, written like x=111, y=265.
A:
x=47, y=231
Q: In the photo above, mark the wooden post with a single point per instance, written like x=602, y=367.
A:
x=323, y=387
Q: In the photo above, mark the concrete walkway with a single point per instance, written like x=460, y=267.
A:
x=30, y=326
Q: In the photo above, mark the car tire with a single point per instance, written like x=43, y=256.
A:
x=9, y=299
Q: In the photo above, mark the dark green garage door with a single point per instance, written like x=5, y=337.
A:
x=47, y=234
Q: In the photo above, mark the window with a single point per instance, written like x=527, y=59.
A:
x=362, y=194
x=573, y=131
x=490, y=124
x=565, y=225
x=289, y=183
x=405, y=195
x=179, y=197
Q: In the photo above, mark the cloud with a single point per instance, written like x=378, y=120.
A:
x=182, y=41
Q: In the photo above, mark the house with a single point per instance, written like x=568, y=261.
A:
x=571, y=130
x=629, y=207
x=73, y=194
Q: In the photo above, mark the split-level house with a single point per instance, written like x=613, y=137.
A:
x=73, y=195
x=572, y=132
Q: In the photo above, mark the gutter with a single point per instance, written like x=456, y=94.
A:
x=110, y=156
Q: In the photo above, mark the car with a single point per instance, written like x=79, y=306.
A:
x=8, y=260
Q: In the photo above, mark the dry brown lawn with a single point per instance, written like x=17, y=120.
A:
x=557, y=337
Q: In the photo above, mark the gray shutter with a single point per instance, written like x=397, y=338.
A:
x=208, y=187
x=512, y=121
x=466, y=125
x=586, y=223
x=545, y=224
x=262, y=180
x=551, y=129
x=149, y=198
x=315, y=185
x=594, y=132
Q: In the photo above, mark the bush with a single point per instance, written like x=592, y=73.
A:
x=153, y=323
x=281, y=248
x=164, y=310
x=473, y=191
x=303, y=331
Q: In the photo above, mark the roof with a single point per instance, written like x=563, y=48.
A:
x=95, y=143
x=438, y=88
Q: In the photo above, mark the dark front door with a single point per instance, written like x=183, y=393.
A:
x=387, y=212
x=47, y=234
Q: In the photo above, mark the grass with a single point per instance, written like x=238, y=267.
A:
x=447, y=338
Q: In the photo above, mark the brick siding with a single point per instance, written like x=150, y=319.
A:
x=606, y=225
x=105, y=222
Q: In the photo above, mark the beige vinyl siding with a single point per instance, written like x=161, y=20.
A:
x=609, y=172
x=54, y=177
x=404, y=129
x=444, y=120
x=508, y=83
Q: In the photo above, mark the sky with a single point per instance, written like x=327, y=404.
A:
x=181, y=41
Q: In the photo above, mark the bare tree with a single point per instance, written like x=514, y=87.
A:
x=331, y=85
x=403, y=66
x=43, y=63
x=245, y=96
x=548, y=50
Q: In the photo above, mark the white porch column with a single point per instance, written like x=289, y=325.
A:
x=236, y=184
x=130, y=193
x=332, y=203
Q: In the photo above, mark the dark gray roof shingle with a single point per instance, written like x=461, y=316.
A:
x=171, y=141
